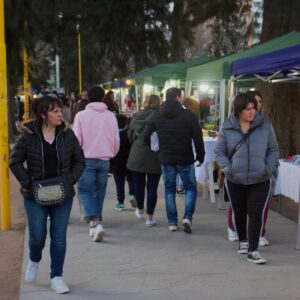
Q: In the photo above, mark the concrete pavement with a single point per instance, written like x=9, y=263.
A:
x=139, y=263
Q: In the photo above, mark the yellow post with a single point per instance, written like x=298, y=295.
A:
x=26, y=85
x=4, y=174
x=79, y=58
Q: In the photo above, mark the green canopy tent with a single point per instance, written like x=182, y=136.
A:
x=220, y=70
x=158, y=75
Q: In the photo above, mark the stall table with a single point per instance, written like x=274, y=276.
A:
x=288, y=184
x=206, y=170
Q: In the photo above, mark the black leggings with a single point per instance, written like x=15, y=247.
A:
x=151, y=184
x=249, y=200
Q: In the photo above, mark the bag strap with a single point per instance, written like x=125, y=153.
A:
x=242, y=140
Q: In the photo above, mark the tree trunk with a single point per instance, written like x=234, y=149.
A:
x=281, y=100
x=177, y=52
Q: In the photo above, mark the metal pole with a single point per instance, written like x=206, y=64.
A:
x=4, y=174
x=79, y=58
x=26, y=85
x=57, y=74
x=222, y=101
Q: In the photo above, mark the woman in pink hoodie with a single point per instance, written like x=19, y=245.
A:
x=97, y=131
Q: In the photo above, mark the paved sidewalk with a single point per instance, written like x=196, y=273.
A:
x=138, y=263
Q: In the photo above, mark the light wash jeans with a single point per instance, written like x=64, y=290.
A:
x=187, y=174
x=92, y=187
x=37, y=224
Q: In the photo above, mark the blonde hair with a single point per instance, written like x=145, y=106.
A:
x=152, y=101
x=192, y=103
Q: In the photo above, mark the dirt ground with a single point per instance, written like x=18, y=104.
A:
x=11, y=247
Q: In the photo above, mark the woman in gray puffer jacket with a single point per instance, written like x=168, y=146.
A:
x=248, y=172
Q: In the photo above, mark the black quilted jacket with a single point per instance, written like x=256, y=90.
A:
x=29, y=149
x=176, y=129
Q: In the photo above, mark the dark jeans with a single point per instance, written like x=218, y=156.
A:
x=252, y=201
x=151, y=184
x=37, y=224
x=120, y=185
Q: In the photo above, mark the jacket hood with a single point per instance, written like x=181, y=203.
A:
x=97, y=106
x=233, y=122
x=31, y=126
x=171, y=108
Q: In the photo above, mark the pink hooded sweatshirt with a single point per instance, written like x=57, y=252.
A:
x=97, y=131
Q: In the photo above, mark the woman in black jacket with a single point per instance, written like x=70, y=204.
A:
x=50, y=149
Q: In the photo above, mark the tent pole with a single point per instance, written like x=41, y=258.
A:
x=188, y=88
x=231, y=95
x=222, y=101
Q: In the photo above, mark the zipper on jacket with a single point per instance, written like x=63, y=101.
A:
x=43, y=167
x=56, y=140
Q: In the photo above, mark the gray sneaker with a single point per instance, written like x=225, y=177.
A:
x=243, y=248
x=256, y=258
x=187, y=225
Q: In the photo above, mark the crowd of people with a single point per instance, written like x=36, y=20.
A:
x=103, y=141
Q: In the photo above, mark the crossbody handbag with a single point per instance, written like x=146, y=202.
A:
x=236, y=148
x=50, y=191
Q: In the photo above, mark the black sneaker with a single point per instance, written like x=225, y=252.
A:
x=256, y=258
x=243, y=248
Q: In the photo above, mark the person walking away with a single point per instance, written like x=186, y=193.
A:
x=119, y=169
x=232, y=235
x=177, y=128
x=247, y=153
x=97, y=131
x=191, y=103
x=50, y=149
x=143, y=162
x=109, y=100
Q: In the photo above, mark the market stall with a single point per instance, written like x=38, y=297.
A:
x=219, y=71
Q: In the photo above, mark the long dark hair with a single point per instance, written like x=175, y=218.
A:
x=41, y=106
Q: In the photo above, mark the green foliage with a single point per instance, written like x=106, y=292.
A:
x=230, y=30
x=117, y=36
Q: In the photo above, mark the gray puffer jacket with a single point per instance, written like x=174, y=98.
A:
x=256, y=160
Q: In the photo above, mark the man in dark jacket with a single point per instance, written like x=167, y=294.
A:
x=179, y=137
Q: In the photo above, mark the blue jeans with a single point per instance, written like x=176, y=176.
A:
x=187, y=174
x=37, y=224
x=151, y=184
x=92, y=187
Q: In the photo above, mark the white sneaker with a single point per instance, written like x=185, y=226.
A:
x=263, y=241
x=232, y=235
x=172, y=227
x=59, y=286
x=31, y=271
x=139, y=215
x=187, y=225
x=92, y=231
x=150, y=223
x=98, y=233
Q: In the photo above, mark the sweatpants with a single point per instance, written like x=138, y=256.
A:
x=231, y=220
x=249, y=201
